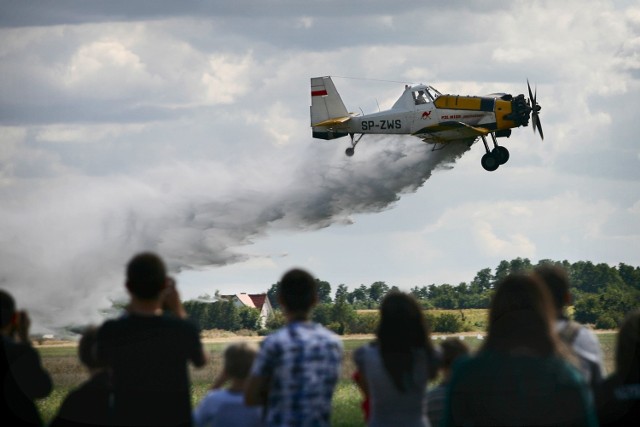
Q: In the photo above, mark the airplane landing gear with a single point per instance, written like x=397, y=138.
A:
x=352, y=150
x=501, y=153
x=489, y=162
x=493, y=158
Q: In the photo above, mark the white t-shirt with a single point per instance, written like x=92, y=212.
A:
x=587, y=347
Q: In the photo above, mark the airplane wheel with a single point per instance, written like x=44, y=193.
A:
x=490, y=162
x=501, y=153
x=349, y=151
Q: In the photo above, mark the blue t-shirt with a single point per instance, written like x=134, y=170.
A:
x=226, y=408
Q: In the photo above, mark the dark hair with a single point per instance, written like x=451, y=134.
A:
x=402, y=330
x=298, y=291
x=146, y=275
x=452, y=348
x=521, y=316
x=7, y=308
x=238, y=359
x=628, y=349
x=556, y=280
x=87, y=348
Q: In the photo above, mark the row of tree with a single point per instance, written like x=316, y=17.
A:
x=222, y=314
x=602, y=296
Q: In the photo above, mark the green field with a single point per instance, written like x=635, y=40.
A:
x=67, y=372
x=473, y=319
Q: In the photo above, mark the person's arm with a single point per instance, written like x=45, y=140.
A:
x=361, y=382
x=171, y=303
x=27, y=369
x=23, y=324
x=171, y=300
x=358, y=376
x=202, y=359
x=198, y=355
x=29, y=373
x=256, y=389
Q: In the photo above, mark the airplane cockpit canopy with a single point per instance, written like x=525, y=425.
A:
x=423, y=94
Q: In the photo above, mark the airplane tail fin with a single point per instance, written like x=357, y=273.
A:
x=327, y=109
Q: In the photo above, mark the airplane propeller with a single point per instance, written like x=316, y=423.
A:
x=535, y=111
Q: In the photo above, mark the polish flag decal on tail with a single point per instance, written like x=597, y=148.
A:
x=322, y=92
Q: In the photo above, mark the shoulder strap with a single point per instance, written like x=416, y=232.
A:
x=570, y=331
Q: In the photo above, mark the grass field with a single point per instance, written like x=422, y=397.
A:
x=66, y=371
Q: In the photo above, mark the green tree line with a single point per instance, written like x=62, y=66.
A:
x=602, y=296
x=221, y=314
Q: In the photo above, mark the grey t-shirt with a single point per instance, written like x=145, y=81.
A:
x=390, y=406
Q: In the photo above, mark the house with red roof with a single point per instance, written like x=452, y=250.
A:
x=257, y=301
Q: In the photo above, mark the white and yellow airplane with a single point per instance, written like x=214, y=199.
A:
x=424, y=112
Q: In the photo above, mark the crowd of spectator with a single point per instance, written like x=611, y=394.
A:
x=535, y=367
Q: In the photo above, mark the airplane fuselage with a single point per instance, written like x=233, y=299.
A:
x=424, y=112
x=487, y=112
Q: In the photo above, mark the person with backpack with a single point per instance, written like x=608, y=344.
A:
x=581, y=340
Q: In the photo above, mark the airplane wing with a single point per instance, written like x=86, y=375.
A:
x=451, y=131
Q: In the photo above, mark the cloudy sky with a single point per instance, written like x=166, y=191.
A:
x=183, y=128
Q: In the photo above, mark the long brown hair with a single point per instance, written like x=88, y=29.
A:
x=521, y=317
x=402, y=330
x=628, y=349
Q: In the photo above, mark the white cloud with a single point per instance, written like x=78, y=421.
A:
x=487, y=239
x=86, y=133
x=504, y=229
x=226, y=79
x=387, y=21
x=305, y=22
x=107, y=68
x=277, y=121
x=512, y=55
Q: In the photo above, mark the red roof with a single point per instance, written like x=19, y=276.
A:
x=258, y=300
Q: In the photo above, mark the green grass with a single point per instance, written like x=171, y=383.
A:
x=67, y=373
x=608, y=345
x=346, y=411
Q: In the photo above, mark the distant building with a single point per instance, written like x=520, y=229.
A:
x=257, y=301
